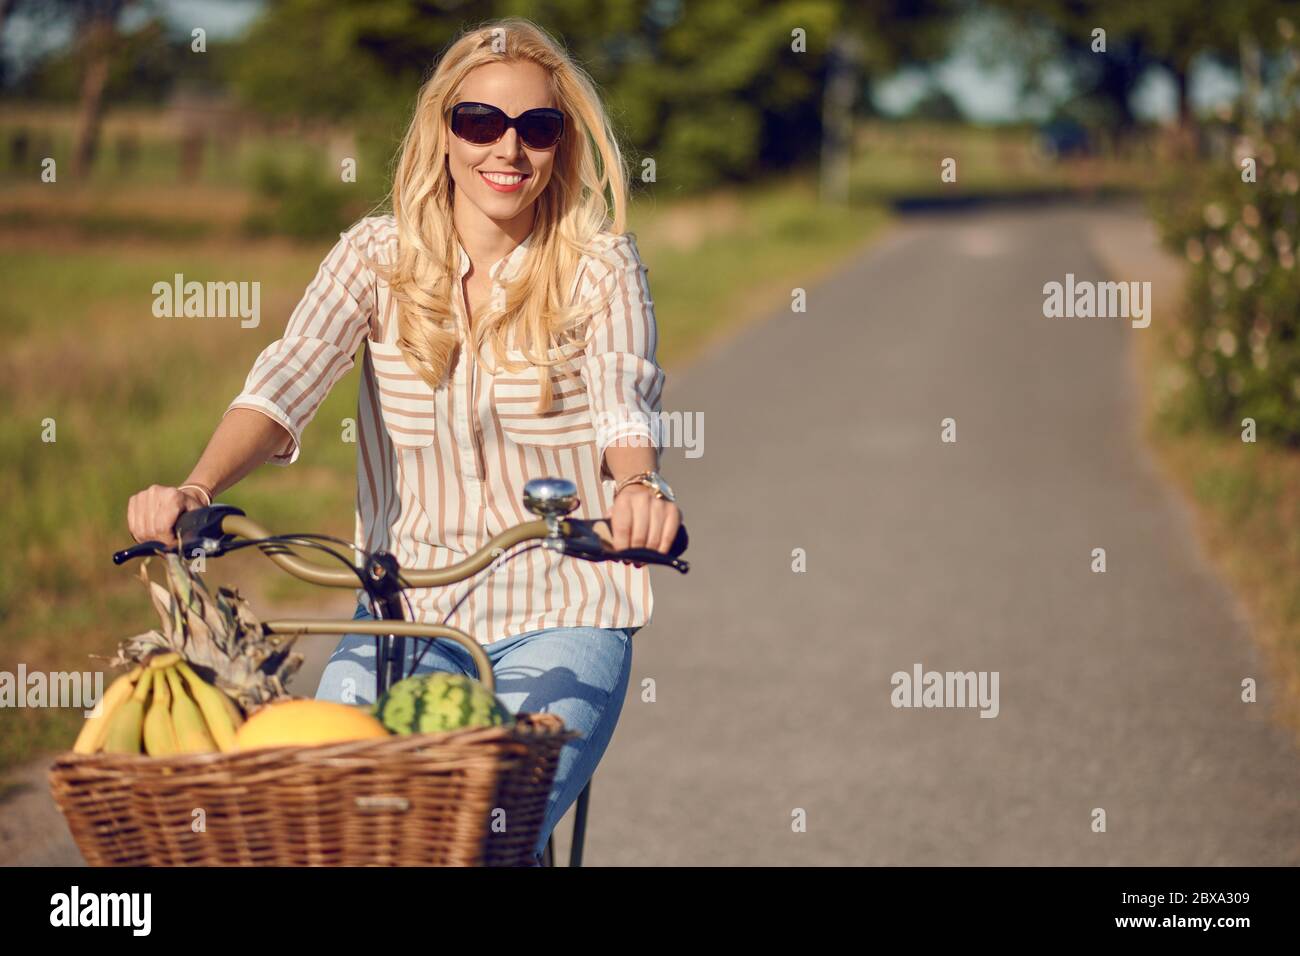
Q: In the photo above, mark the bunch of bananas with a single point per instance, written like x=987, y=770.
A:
x=161, y=708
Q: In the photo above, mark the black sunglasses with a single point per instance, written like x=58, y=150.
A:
x=482, y=124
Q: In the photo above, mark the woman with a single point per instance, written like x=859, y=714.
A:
x=510, y=334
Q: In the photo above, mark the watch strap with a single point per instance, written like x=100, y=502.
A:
x=640, y=478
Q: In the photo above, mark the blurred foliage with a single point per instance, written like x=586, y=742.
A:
x=1241, y=342
x=300, y=199
x=1169, y=34
x=713, y=92
x=936, y=105
x=148, y=65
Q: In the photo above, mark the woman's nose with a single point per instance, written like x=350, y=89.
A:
x=508, y=145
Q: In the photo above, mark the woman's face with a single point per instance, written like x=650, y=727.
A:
x=512, y=88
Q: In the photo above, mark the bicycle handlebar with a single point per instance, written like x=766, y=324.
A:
x=212, y=530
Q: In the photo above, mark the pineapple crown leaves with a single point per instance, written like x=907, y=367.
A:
x=221, y=637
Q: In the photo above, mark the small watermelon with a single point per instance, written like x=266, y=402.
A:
x=433, y=703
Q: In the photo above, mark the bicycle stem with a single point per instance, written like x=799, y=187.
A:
x=390, y=628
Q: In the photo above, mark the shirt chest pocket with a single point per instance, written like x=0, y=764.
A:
x=516, y=396
x=406, y=402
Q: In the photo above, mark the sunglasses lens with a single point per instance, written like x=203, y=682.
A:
x=481, y=125
x=541, y=130
x=477, y=125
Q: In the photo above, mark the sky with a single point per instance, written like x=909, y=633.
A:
x=988, y=94
x=985, y=93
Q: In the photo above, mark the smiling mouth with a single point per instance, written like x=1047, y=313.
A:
x=504, y=180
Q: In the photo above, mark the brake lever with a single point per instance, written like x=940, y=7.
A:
x=141, y=550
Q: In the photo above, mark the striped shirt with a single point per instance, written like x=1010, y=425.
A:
x=441, y=471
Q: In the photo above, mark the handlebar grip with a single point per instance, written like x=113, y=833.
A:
x=602, y=530
x=642, y=555
x=203, y=525
x=591, y=540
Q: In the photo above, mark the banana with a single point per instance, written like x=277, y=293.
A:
x=191, y=733
x=236, y=715
x=160, y=661
x=219, y=721
x=93, y=731
x=126, y=726
x=159, y=733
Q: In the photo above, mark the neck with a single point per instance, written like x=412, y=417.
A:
x=488, y=240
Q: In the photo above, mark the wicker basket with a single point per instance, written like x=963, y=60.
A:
x=417, y=800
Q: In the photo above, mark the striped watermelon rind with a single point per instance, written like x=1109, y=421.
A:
x=436, y=703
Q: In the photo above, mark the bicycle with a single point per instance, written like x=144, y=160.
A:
x=220, y=529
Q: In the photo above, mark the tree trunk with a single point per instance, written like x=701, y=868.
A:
x=1186, y=134
x=98, y=49
x=837, y=118
x=6, y=8
x=1181, y=85
x=1252, y=80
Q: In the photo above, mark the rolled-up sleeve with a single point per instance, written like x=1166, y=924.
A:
x=623, y=380
x=292, y=376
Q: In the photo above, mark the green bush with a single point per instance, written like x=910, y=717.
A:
x=1240, y=344
x=298, y=200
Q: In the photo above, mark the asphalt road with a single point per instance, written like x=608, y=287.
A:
x=1117, y=691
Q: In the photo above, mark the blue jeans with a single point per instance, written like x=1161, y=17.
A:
x=579, y=674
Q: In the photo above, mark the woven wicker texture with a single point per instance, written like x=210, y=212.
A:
x=467, y=798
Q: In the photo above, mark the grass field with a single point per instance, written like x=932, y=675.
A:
x=903, y=161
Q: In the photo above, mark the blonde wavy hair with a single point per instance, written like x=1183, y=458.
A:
x=571, y=211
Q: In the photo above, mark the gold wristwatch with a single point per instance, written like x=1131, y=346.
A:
x=652, y=480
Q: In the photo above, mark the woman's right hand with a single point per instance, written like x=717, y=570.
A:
x=151, y=514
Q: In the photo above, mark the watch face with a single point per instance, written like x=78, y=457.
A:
x=663, y=487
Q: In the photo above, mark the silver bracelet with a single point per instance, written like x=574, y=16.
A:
x=206, y=494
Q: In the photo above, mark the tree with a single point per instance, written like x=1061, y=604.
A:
x=936, y=105
x=872, y=39
x=95, y=39
x=1166, y=33
x=714, y=92
x=97, y=36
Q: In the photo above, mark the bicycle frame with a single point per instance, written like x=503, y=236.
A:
x=392, y=628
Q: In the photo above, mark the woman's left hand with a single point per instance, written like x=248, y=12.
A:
x=641, y=519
